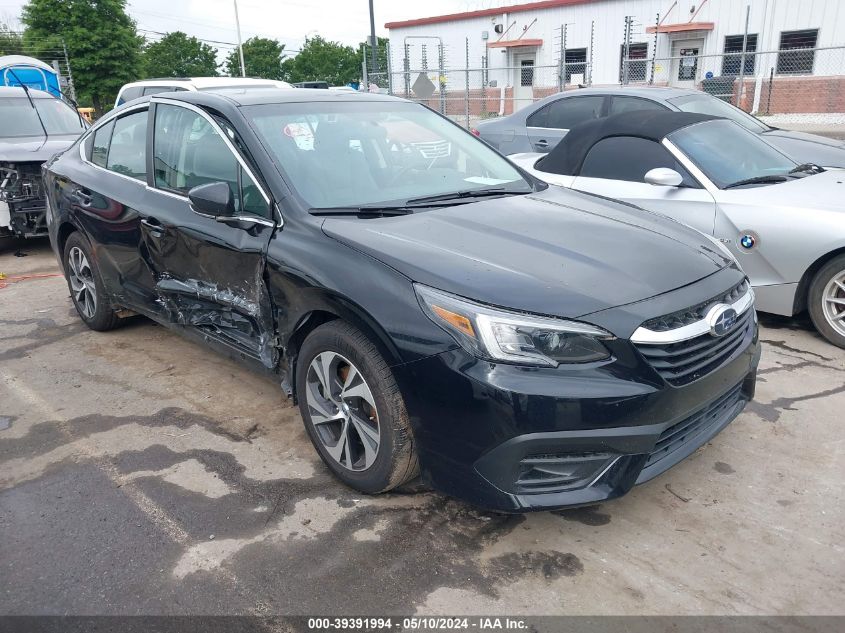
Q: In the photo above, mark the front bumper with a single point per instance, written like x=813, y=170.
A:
x=517, y=439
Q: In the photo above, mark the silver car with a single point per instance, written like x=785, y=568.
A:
x=783, y=222
x=540, y=126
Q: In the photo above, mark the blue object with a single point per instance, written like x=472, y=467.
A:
x=709, y=74
x=19, y=69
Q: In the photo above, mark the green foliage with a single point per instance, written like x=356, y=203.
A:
x=321, y=60
x=262, y=58
x=103, y=47
x=178, y=55
x=10, y=42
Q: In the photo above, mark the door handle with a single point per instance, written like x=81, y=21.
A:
x=542, y=143
x=155, y=227
x=83, y=196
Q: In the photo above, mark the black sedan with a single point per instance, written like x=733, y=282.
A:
x=432, y=308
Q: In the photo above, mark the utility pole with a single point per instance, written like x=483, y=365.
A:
x=373, y=40
x=240, y=44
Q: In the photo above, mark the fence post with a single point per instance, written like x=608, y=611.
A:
x=71, y=87
x=441, y=77
x=389, y=70
x=654, y=51
x=466, y=97
x=484, y=82
x=771, y=83
x=407, y=64
x=626, y=50
x=561, y=53
x=589, y=81
x=741, y=87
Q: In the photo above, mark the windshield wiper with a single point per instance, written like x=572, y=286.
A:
x=379, y=211
x=810, y=168
x=469, y=193
x=758, y=180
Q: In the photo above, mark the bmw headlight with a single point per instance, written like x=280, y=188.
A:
x=513, y=337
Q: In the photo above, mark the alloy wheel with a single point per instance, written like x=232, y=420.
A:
x=343, y=411
x=834, y=303
x=82, y=282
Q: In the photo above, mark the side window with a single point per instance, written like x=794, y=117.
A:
x=154, y=90
x=629, y=158
x=568, y=112
x=130, y=93
x=631, y=104
x=100, y=149
x=128, y=149
x=188, y=151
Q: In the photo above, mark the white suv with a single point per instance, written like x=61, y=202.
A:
x=177, y=84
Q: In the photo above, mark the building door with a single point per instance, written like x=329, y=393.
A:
x=523, y=84
x=685, y=65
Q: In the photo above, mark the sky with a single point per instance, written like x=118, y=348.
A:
x=289, y=21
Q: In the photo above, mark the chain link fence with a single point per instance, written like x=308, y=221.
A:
x=467, y=89
x=794, y=81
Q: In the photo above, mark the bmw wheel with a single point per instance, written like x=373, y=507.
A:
x=827, y=301
x=86, y=287
x=353, y=410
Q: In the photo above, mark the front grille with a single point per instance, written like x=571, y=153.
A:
x=696, y=312
x=689, y=429
x=684, y=362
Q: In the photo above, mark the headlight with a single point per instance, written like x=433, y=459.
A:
x=510, y=336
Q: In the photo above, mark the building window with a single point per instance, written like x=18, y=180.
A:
x=797, y=54
x=733, y=55
x=636, y=68
x=576, y=63
x=526, y=69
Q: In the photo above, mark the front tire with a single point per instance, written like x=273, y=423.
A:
x=353, y=410
x=826, y=301
x=86, y=287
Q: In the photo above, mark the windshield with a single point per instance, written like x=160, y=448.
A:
x=17, y=118
x=347, y=154
x=705, y=104
x=728, y=153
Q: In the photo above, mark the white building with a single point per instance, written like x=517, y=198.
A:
x=681, y=42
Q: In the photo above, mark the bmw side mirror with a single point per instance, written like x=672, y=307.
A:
x=214, y=199
x=663, y=177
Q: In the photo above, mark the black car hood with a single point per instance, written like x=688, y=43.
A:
x=556, y=252
x=28, y=149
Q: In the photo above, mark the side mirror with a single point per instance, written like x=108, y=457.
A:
x=663, y=177
x=214, y=199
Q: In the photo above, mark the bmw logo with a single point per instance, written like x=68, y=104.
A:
x=747, y=241
x=721, y=318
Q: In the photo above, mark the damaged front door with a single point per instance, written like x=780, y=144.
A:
x=210, y=273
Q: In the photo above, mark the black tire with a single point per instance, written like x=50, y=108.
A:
x=396, y=460
x=102, y=318
x=816, y=299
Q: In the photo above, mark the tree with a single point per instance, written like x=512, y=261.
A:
x=321, y=60
x=10, y=42
x=178, y=55
x=102, y=45
x=262, y=58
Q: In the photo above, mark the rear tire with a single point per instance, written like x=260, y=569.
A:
x=353, y=410
x=826, y=301
x=87, y=290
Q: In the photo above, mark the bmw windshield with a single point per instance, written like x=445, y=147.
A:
x=18, y=118
x=730, y=155
x=380, y=155
x=705, y=104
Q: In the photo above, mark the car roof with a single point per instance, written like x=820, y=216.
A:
x=568, y=156
x=201, y=83
x=260, y=96
x=17, y=91
x=649, y=92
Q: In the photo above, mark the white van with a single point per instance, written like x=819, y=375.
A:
x=177, y=84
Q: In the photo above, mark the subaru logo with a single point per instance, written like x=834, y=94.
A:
x=721, y=318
